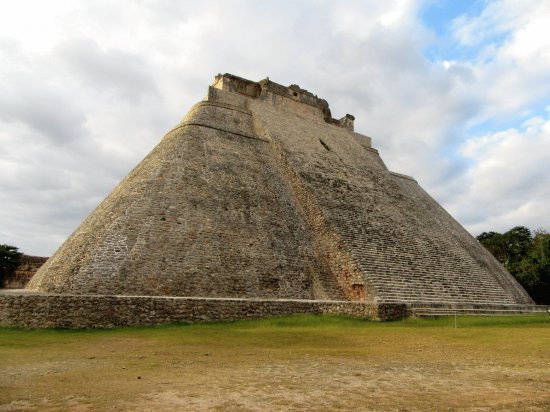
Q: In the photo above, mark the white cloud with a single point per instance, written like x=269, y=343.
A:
x=507, y=183
x=515, y=74
x=90, y=87
x=498, y=18
x=114, y=71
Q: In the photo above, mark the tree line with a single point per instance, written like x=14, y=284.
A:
x=10, y=258
x=526, y=255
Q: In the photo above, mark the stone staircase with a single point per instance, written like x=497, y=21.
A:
x=377, y=229
x=424, y=309
x=408, y=250
x=417, y=290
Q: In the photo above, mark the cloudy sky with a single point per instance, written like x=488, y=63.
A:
x=454, y=93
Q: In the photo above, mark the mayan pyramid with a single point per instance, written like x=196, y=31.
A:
x=260, y=193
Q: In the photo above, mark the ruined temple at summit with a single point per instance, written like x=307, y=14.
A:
x=260, y=193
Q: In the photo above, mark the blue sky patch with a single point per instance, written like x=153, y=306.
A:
x=438, y=16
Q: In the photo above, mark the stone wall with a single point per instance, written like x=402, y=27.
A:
x=85, y=311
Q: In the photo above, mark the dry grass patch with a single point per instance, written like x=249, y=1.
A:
x=291, y=363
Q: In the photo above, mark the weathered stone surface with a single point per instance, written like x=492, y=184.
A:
x=260, y=193
x=25, y=271
x=97, y=311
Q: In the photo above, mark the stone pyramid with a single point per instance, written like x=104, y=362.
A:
x=260, y=193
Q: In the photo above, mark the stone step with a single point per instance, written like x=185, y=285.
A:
x=391, y=298
x=392, y=292
x=405, y=291
x=420, y=310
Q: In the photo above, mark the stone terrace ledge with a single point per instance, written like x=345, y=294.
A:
x=23, y=308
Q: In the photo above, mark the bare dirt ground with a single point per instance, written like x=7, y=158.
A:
x=296, y=364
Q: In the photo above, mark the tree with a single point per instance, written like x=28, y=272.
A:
x=9, y=261
x=496, y=244
x=534, y=271
x=526, y=256
x=541, y=242
x=519, y=243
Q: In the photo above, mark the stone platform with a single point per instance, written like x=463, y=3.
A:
x=22, y=308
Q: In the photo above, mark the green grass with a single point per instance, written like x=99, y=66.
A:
x=270, y=332
x=495, y=362
x=315, y=332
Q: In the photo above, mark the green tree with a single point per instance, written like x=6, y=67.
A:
x=9, y=261
x=526, y=256
x=519, y=243
x=534, y=271
x=496, y=244
x=541, y=242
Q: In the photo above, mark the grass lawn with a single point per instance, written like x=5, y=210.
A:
x=293, y=363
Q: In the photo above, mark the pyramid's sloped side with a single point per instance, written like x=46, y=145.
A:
x=404, y=251
x=206, y=213
x=442, y=222
x=260, y=193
